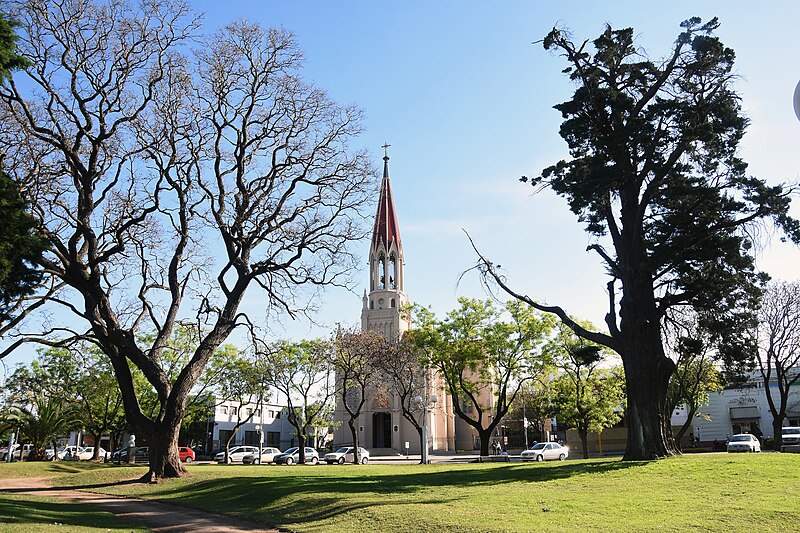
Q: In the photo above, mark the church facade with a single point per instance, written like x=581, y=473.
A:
x=381, y=424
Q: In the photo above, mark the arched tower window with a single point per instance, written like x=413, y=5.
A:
x=393, y=305
x=372, y=275
x=392, y=272
x=382, y=272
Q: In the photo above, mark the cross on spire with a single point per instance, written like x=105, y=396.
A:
x=386, y=150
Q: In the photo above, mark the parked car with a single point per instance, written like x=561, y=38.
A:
x=142, y=455
x=545, y=451
x=744, y=442
x=267, y=456
x=18, y=453
x=292, y=455
x=49, y=453
x=790, y=435
x=236, y=454
x=88, y=453
x=71, y=453
x=186, y=454
x=345, y=455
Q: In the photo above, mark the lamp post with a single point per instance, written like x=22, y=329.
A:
x=427, y=405
x=260, y=441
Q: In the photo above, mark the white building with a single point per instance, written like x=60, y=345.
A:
x=276, y=429
x=740, y=409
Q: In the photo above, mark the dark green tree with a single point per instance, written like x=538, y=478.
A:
x=20, y=246
x=656, y=177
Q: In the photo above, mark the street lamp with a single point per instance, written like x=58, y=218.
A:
x=427, y=405
x=260, y=441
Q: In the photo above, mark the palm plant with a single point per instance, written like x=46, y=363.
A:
x=42, y=422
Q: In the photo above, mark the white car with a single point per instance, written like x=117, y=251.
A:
x=17, y=454
x=545, y=451
x=345, y=455
x=744, y=442
x=267, y=456
x=88, y=453
x=236, y=454
x=71, y=453
x=790, y=436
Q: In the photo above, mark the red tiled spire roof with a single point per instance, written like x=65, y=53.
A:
x=386, y=230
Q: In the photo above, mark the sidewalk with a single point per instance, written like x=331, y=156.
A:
x=157, y=516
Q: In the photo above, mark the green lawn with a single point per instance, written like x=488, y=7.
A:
x=713, y=492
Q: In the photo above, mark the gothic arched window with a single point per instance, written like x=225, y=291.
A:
x=382, y=272
x=392, y=272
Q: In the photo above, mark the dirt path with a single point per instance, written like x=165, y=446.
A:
x=157, y=516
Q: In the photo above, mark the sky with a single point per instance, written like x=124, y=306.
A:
x=464, y=95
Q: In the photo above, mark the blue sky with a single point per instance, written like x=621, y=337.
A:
x=465, y=99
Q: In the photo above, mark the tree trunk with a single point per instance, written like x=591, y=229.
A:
x=684, y=428
x=164, y=459
x=777, y=425
x=301, y=439
x=353, y=428
x=485, y=436
x=584, y=435
x=649, y=430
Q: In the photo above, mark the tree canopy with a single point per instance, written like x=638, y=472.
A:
x=655, y=176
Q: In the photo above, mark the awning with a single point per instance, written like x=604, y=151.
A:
x=745, y=413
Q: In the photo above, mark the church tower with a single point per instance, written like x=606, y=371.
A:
x=381, y=309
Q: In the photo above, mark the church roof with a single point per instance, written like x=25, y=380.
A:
x=387, y=229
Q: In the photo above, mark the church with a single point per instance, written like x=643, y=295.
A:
x=381, y=425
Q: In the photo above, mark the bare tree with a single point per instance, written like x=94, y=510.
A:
x=405, y=372
x=779, y=348
x=358, y=361
x=167, y=184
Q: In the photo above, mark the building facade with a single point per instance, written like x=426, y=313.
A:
x=381, y=424
x=276, y=429
x=740, y=409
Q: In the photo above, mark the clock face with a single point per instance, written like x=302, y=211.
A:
x=797, y=101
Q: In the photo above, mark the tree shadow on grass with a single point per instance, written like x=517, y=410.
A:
x=313, y=495
x=37, y=512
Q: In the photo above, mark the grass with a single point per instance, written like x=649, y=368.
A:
x=714, y=492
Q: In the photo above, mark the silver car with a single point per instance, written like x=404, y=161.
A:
x=545, y=451
x=345, y=455
x=236, y=454
x=267, y=457
x=744, y=442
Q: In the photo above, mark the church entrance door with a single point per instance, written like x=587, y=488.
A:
x=382, y=430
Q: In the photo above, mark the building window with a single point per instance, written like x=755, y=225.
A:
x=372, y=304
x=382, y=272
x=393, y=305
x=392, y=272
x=274, y=439
x=224, y=409
x=234, y=410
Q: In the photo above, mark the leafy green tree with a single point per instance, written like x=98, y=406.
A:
x=303, y=374
x=585, y=395
x=656, y=177
x=240, y=384
x=534, y=406
x=484, y=354
x=42, y=422
x=696, y=374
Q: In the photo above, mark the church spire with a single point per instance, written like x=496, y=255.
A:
x=386, y=230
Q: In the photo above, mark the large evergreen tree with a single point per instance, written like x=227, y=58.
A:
x=656, y=177
x=20, y=247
